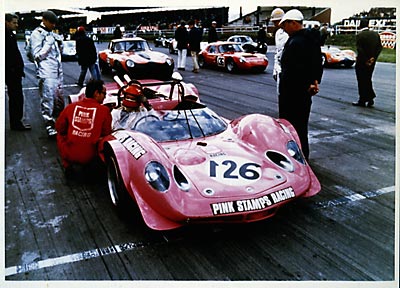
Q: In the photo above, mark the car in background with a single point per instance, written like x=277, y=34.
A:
x=163, y=41
x=134, y=57
x=248, y=44
x=183, y=164
x=69, y=51
x=232, y=57
x=129, y=35
x=334, y=56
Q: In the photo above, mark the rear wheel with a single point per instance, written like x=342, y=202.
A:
x=201, y=61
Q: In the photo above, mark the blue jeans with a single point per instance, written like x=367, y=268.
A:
x=94, y=71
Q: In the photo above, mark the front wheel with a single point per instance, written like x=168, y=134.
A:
x=104, y=68
x=230, y=65
x=116, y=188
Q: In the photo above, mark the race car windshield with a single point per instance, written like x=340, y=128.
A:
x=174, y=125
x=230, y=48
x=131, y=46
x=136, y=46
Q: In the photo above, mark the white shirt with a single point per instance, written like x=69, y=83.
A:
x=280, y=40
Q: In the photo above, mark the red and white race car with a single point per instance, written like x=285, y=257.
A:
x=183, y=164
x=232, y=57
x=134, y=57
x=334, y=56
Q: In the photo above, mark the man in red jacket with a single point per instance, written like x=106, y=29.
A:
x=81, y=125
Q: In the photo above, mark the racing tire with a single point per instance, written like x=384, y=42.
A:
x=348, y=65
x=263, y=49
x=119, y=69
x=201, y=61
x=230, y=66
x=118, y=193
x=104, y=68
x=260, y=69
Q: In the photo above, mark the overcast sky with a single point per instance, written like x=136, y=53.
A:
x=340, y=8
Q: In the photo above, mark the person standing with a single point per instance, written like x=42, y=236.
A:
x=212, y=32
x=46, y=50
x=369, y=47
x=182, y=38
x=117, y=34
x=80, y=127
x=14, y=71
x=301, y=73
x=87, y=56
x=262, y=40
x=280, y=39
x=195, y=37
x=324, y=33
x=98, y=35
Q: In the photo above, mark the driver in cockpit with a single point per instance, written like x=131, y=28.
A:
x=134, y=107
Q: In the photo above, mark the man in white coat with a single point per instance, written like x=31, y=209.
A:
x=280, y=39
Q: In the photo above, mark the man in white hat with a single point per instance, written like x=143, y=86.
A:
x=301, y=73
x=212, y=32
x=280, y=39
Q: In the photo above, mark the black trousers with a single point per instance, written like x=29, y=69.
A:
x=364, y=80
x=15, y=100
x=297, y=111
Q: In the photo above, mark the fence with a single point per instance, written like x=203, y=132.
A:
x=345, y=29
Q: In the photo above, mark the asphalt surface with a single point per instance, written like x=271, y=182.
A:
x=59, y=230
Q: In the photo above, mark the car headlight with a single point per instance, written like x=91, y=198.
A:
x=295, y=152
x=157, y=176
x=130, y=64
x=181, y=180
x=169, y=61
x=280, y=160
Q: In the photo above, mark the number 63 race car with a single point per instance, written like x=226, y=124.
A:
x=183, y=164
x=231, y=57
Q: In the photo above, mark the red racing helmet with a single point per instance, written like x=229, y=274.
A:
x=132, y=96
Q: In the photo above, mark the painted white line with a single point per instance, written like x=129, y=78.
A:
x=114, y=249
x=37, y=88
x=89, y=254
x=353, y=196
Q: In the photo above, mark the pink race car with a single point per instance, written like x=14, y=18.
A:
x=183, y=164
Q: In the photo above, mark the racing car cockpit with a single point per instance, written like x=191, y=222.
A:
x=164, y=118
